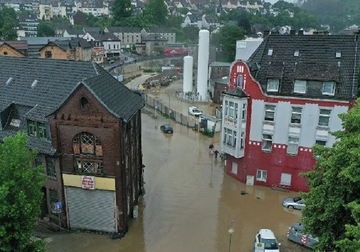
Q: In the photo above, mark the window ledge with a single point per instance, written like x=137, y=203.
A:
x=261, y=180
x=322, y=127
x=298, y=125
x=292, y=155
x=266, y=151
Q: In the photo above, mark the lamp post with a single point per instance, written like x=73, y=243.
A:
x=231, y=231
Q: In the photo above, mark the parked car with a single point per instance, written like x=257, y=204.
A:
x=195, y=111
x=266, y=241
x=296, y=234
x=166, y=128
x=294, y=203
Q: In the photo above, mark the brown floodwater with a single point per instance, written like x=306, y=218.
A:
x=190, y=202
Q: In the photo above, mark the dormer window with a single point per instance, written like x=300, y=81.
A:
x=273, y=85
x=296, y=53
x=328, y=88
x=270, y=52
x=300, y=86
x=338, y=54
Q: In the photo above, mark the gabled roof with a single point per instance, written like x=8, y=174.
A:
x=77, y=32
x=56, y=80
x=17, y=44
x=91, y=29
x=154, y=37
x=71, y=44
x=159, y=30
x=103, y=36
x=317, y=61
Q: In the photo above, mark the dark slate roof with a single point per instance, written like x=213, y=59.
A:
x=104, y=36
x=124, y=29
x=159, y=30
x=57, y=79
x=317, y=62
x=71, y=44
x=91, y=29
x=238, y=92
x=23, y=17
x=154, y=37
x=77, y=32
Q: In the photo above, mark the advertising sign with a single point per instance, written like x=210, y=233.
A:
x=88, y=182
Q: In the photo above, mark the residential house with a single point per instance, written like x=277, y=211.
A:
x=74, y=49
x=46, y=11
x=128, y=35
x=78, y=18
x=282, y=101
x=219, y=80
x=14, y=48
x=167, y=33
x=110, y=44
x=246, y=47
x=73, y=33
x=36, y=43
x=154, y=45
x=86, y=127
x=60, y=28
x=194, y=19
x=29, y=23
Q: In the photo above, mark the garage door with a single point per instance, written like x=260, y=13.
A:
x=91, y=209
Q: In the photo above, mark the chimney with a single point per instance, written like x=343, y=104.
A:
x=301, y=32
x=292, y=32
x=265, y=33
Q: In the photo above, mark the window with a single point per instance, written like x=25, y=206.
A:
x=53, y=198
x=236, y=110
x=296, y=115
x=229, y=137
x=266, y=142
x=293, y=143
x=42, y=130
x=234, y=168
x=270, y=52
x=50, y=167
x=32, y=128
x=231, y=110
x=321, y=142
x=324, y=117
x=88, y=154
x=243, y=112
x=269, y=112
x=261, y=175
x=300, y=87
x=273, y=85
x=48, y=54
x=328, y=88
x=239, y=80
x=242, y=140
x=296, y=53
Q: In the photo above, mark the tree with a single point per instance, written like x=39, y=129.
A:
x=8, y=24
x=45, y=29
x=225, y=41
x=121, y=9
x=20, y=194
x=157, y=10
x=332, y=210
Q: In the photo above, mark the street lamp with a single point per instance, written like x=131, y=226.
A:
x=231, y=231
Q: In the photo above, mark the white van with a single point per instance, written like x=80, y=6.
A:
x=265, y=241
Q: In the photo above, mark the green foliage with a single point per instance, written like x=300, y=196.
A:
x=225, y=41
x=45, y=29
x=8, y=24
x=20, y=194
x=121, y=9
x=188, y=34
x=336, y=13
x=157, y=10
x=332, y=212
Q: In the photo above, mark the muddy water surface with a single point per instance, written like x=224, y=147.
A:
x=190, y=203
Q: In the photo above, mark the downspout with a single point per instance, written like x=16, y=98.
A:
x=355, y=65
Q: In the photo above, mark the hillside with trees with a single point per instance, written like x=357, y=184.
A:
x=338, y=14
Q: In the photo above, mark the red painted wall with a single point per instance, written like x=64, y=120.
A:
x=278, y=161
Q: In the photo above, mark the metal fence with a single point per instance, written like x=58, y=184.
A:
x=174, y=115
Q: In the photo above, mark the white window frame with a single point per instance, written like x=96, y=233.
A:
x=273, y=85
x=269, y=108
x=300, y=86
x=243, y=112
x=328, y=92
x=266, y=138
x=324, y=116
x=234, y=168
x=242, y=138
x=295, y=112
x=231, y=113
x=293, y=145
x=261, y=175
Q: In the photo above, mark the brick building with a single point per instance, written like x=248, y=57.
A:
x=86, y=127
x=74, y=49
x=285, y=99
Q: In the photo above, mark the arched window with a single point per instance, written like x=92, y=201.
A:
x=88, y=153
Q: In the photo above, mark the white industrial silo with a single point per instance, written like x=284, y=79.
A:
x=203, y=62
x=188, y=74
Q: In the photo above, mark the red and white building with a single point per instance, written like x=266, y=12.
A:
x=281, y=102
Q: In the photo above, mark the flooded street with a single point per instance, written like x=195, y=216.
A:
x=189, y=203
